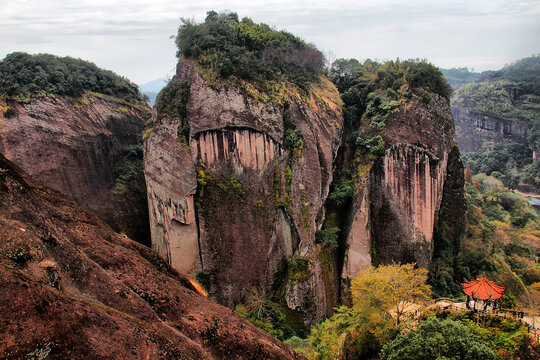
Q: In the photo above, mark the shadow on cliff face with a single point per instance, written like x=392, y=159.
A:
x=72, y=288
x=89, y=148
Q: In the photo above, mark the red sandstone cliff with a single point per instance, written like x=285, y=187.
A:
x=397, y=215
x=79, y=147
x=259, y=203
x=242, y=206
x=73, y=288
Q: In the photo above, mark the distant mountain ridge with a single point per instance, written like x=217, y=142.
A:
x=152, y=89
x=153, y=85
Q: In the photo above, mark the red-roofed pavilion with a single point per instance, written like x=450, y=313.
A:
x=483, y=289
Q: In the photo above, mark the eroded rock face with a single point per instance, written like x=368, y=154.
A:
x=413, y=195
x=473, y=129
x=73, y=288
x=241, y=208
x=258, y=202
x=407, y=183
x=80, y=147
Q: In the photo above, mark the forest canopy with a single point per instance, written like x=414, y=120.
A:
x=227, y=47
x=23, y=75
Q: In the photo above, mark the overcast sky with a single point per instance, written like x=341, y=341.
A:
x=132, y=37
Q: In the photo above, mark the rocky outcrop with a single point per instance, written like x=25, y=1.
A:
x=410, y=180
x=257, y=202
x=73, y=288
x=239, y=208
x=475, y=130
x=82, y=147
x=398, y=202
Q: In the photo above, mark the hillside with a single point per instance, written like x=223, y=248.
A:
x=73, y=288
x=86, y=144
x=498, y=123
x=268, y=181
x=24, y=76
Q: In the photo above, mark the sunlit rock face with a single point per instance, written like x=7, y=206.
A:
x=241, y=148
x=236, y=204
x=409, y=192
x=396, y=215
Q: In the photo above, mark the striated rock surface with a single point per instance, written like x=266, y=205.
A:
x=239, y=208
x=81, y=147
x=397, y=210
x=408, y=181
x=73, y=288
x=258, y=202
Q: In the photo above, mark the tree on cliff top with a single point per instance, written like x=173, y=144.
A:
x=227, y=47
x=23, y=75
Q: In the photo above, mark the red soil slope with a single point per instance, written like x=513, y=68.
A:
x=72, y=288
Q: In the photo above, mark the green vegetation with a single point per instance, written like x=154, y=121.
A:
x=224, y=47
x=272, y=316
x=129, y=174
x=299, y=269
x=459, y=76
x=511, y=162
x=380, y=324
x=203, y=278
x=525, y=72
x=372, y=91
x=503, y=335
x=375, y=317
x=438, y=339
x=172, y=101
x=328, y=237
x=510, y=94
x=23, y=76
x=502, y=240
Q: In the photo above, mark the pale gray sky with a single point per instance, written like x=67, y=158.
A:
x=132, y=37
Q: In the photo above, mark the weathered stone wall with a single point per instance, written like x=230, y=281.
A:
x=258, y=203
x=473, y=129
x=76, y=147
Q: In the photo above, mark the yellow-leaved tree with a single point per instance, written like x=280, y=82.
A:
x=383, y=298
x=390, y=291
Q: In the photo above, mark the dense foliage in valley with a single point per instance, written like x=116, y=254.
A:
x=380, y=324
x=511, y=162
x=23, y=75
x=502, y=241
x=225, y=47
x=512, y=94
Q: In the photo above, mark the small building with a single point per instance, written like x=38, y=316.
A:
x=484, y=290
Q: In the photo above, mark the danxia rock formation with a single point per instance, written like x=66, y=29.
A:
x=81, y=146
x=238, y=204
x=73, y=288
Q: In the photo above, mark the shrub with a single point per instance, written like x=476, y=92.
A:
x=299, y=269
x=23, y=75
x=224, y=46
x=438, y=339
x=328, y=237
x=294, y=139
x=203, y=277
x=172, y=101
